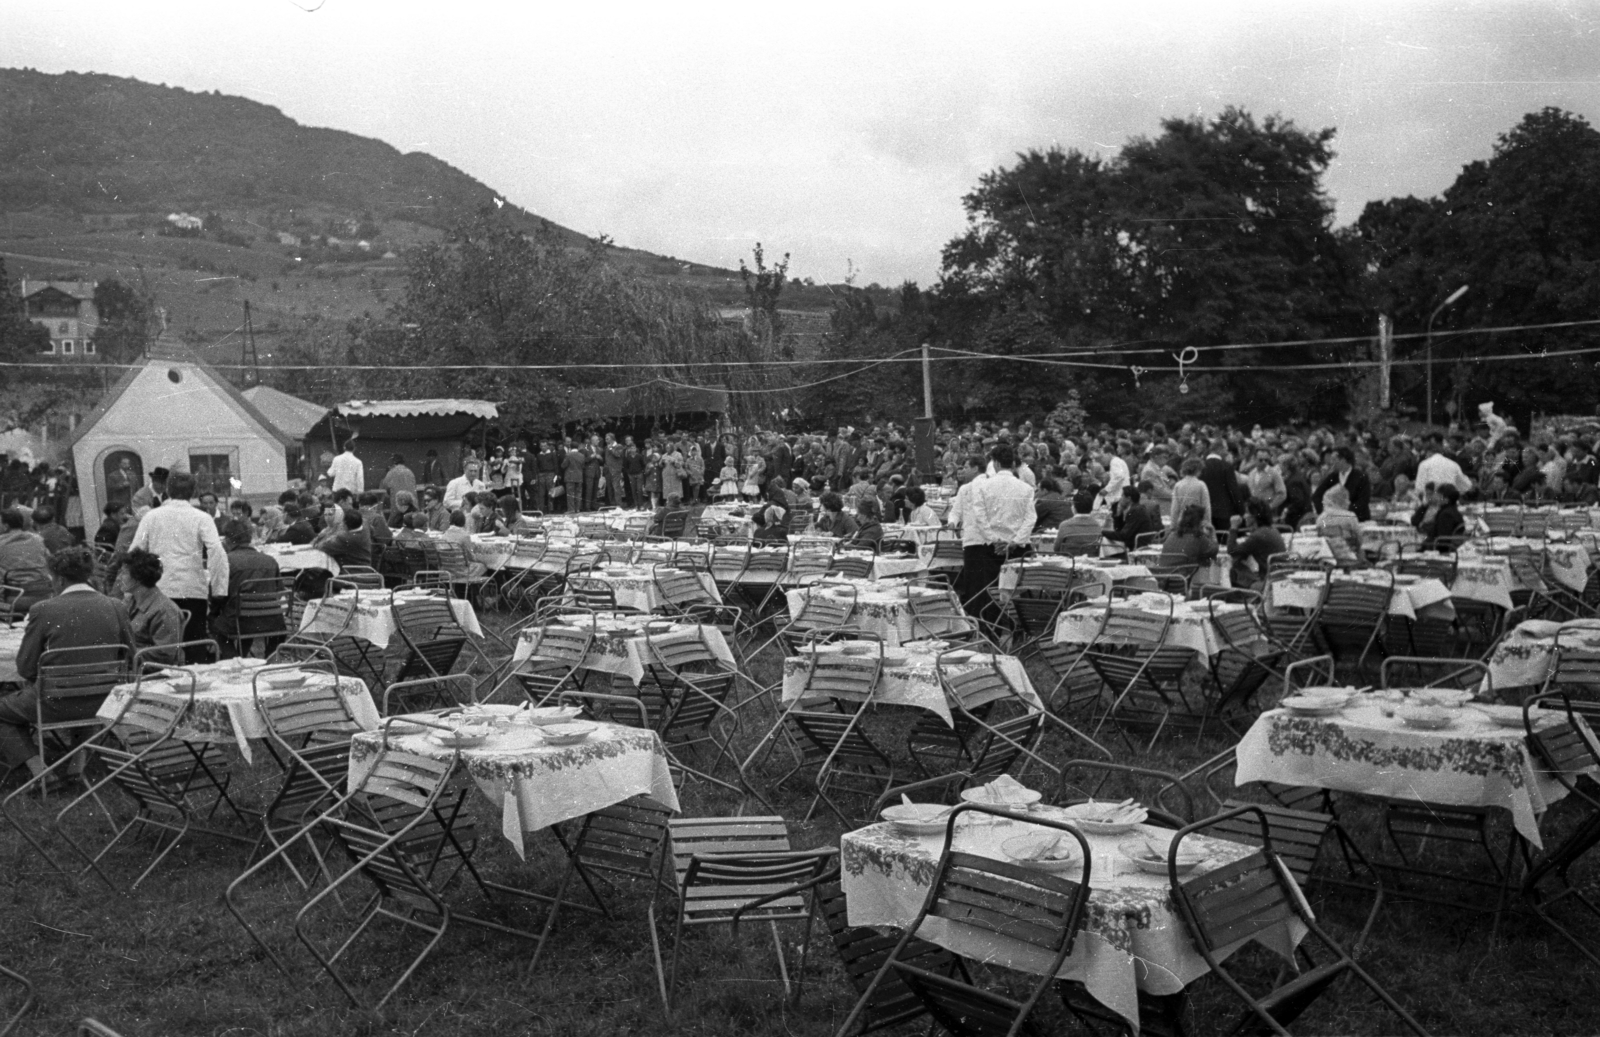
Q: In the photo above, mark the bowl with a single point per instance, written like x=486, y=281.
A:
x=1312, y=705
x=1450, y=698
x=547, y=716
x=1011, y=796
x=1426, y=718
x=467, y=736
x=1503, y=716
x=1042, y=851
x=180, y=680
x=917, y=818
x=285, y=678
x=570, y=732
x=854, y=649
x=1106, y=818
x=959, y=656
x=1146, y=855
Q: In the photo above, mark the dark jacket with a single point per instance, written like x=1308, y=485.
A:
x=244, y=565
x=1142, y=518
x=1051, y=510
x=296, y=532
x=1447, y=522
x=79, y=619
x=1227, y=496
x=1359, y=488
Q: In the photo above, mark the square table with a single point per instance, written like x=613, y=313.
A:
x=295, y=557
x=372, y=616
x=1106, y=571
x=1191, y=625
x=635, y=587
x=1569, y=560
x=1413, y=596
x=884, y=608
x=536, y=784
x=1133, y=936
x=910, y=677
x=1523, y=656
x=620, y=646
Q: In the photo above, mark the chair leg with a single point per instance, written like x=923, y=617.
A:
x=655, y=948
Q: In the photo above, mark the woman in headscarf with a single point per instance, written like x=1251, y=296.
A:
x=405, y=503
x=270, y=524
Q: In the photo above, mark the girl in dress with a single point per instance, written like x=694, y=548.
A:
x=728, y=482
x=755, y=467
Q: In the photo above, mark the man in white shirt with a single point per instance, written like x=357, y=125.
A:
x=996, y=523
x=971, y=473
x=347, y=471
x=461, y=485
x=1117, y=477
x=1438, y=470
x=194, y=564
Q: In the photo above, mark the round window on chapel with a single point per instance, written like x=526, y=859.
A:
x=174, y=375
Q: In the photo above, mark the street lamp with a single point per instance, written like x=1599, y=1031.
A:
x=1449, y=299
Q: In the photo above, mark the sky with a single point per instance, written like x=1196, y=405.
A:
x=843, y=134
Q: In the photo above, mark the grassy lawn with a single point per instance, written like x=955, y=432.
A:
x=169, y=960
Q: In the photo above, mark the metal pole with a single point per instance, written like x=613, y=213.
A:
x=927, y=384
x=1434, y=314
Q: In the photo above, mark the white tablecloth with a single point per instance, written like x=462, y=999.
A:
x=1569, y=561
x=1309, y=545
x=635, y=587
x=620, y=646
x=1412, y=594
x=1133, y=936
x=913, y=681
x=1191, y=625
x=882, y=609
x=374, y=618
x=226, y=711
x=293, y=557
x=1375, y=535
x=1088, y=569
x=10, y=642
x=1523, y=656
x=537, y=785
x=1471, y=763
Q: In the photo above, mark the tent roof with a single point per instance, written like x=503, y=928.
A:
x=415, y=408
x=290, y=413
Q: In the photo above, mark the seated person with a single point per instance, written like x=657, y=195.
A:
x=55, y=536
x=297, y=529
x=802, y=492
x=920, y=514
x=457, y=533
x=869, y=530
x=1192, y=541
x=24, y=561
x=1254, y=539
x=345, y=538
x=1136, y=516
x=416, y=527
x=1439, y=521
x=152, y=616
x=1080, y=535
x=1050, y=506
x=770, y=524
x=371, y=504
x=77, y=617
x=833, y=520
x=510, y=512
x=1406, y=494
x=1339, y=527
x=245, y=565
x=665, y=517
x=116, y=514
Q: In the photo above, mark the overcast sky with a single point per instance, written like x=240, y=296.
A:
x=842, y=134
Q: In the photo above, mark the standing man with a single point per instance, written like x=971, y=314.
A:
x=1222, y=483
x=782, y=459
x=347, y=471
x=572, y=475
x=119, y=484
x=1354, y=480
x=546, y=473
x=399, y=479
x=194, y=564
x=153, y=495
x=633, y=469
x=996, y=521
x=616, y=492
x=432, y=470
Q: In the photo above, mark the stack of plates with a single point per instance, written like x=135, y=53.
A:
x=917, y=818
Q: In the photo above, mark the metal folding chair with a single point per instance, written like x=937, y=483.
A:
x=555, y=663
x=27, y=999
x=264, y=609
x=1565, y=746
x=433, y=639
x=1353, y=616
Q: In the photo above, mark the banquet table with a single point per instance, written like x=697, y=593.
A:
x=226, y=711
x=1485, y=578
x=1413, y=596
x=372, y=615
x=1218, y=572
x=294, y=557
x=1093, y=570
x=1569, y=560
x=1359, y=750
x=620, y=646
x=1375, y=535
x=1133, y=936
x=1309, y=545
x=536, y=784
x=1191, y=625
x=882, y=607
x=910, y=677
x=1523, y=656
x=10, y=642
x=730, y=519
x=634, y=586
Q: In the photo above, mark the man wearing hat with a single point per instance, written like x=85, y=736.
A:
x=155, y=494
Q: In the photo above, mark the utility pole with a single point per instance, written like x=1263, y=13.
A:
x=927, y=384
x=1385, y=358
x=1452, y=297
x=251, y=373
x=924, y=424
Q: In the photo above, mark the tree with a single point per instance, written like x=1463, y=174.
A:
x=21, y=340
x=762, y=287
x=125, y=321
x=860, y=329
x=1522, y=230
x=1214, y=232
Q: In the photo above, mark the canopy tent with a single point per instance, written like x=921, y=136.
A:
x=179, y=414
x=381, y=429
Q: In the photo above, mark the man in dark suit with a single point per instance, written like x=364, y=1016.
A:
x=1354, y=480
x=1227, y=495
x=77, y=617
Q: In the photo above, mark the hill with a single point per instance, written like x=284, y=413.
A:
x=308, y=224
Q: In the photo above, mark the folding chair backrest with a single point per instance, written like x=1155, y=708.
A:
x=313, y=708
x=826, y=606
x=1128, y=625
x=265, y=605
x=1356, y=600
x=567, y=644
x=1005, y=742
x=1046, y=580
x=852, y=565
x=405, y=778
x=848, y=676
x=809, y=559
x=862, y=950
x=1567, y=747
x=680, y=650
x=976, y=686
x=624, y=837
x=1239, y=900
x=729, y=835
x=1412, y=671
x=592, y=594
x=73, y=682
x=427, y=619
x=678, y=586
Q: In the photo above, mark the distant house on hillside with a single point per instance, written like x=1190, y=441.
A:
x=66, y=310
x=184, y=225
x=285, y=238
x=802, y=329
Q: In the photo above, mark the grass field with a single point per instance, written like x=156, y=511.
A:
x=169, y=960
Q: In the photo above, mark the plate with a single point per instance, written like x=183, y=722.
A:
x=285, y=679
x=469, y=738
x=1503, y=716
x=1005, y=797
x=1426, y=718
x=1448, y=697
x=1021, y=849
x=917, y=818
x=1148, y=857
x=1087, y=816
x=1406, y=580
x=404, y=727
x=955, y=657
x=569, y=732
x=1312, y=705
x=180, y=679
x=545, y=716
x=858, y=649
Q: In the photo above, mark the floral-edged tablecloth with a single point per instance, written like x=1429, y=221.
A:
x=10, y=644
x=884, y=610
x=294, y=557
x=374, y=618
x=1569, y=561
x=1471, y=763
x=1089, y=570
x=536, y=784
x=1485, y=578
x=1191, y=625
x=621, y=647
x=635, y=587
x=1133, y=936
x=1217, y=572
x=1413, y=595
x=1374, y=535
x=911, y=678
x=1309, y=545
x=226, y=711
x=1523, y=656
